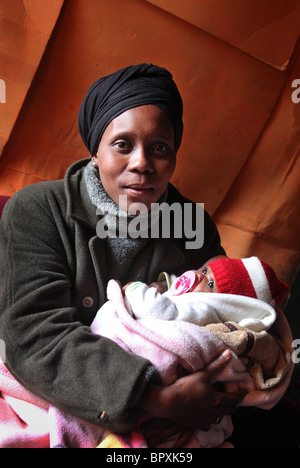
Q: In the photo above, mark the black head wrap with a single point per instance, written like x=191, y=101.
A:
x=133, y=86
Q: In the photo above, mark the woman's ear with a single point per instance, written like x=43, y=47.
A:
x=94, y=161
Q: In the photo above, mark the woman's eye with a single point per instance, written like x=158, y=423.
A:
x=210, y=284
x=161, y=148
x=121, y=145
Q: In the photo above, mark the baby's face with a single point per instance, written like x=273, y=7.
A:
x=205, y=280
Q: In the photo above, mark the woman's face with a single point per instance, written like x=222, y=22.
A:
x=136, y=156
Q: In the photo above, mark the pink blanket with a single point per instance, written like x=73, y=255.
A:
x=168, y=344
x=26, y=421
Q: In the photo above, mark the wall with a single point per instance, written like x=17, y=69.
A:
x=234, y=63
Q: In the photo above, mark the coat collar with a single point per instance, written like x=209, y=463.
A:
x=79, y=205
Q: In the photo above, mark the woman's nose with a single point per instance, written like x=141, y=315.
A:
x=140, y=161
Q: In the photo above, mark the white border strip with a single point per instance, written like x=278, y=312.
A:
x=259, y=279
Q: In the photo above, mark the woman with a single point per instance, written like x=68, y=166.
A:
x=55, y=268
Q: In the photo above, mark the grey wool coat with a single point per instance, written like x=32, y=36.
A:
x=53, y=281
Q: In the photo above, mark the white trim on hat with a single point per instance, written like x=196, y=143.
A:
x=258, y=277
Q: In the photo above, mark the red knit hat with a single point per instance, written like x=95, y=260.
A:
x=248, y=277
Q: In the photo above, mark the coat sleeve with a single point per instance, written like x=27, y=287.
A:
x=48, y=350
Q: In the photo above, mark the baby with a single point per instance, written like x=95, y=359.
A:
x=226, y=302
x=248, y=277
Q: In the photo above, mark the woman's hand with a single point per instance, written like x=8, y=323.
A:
x=192, y=401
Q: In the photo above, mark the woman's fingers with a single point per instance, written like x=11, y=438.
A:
x=227, y=401
x=230, y=401
x=217, y=364
x=192, y=401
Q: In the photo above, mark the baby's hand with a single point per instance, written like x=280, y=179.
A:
x=125, y=287
x=161, y=286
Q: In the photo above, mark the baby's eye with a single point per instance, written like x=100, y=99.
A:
x=211, y=284
x=204, y=271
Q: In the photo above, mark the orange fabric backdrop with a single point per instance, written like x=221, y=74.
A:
x=234, y=63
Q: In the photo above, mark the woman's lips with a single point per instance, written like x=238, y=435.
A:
x=139, y=190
